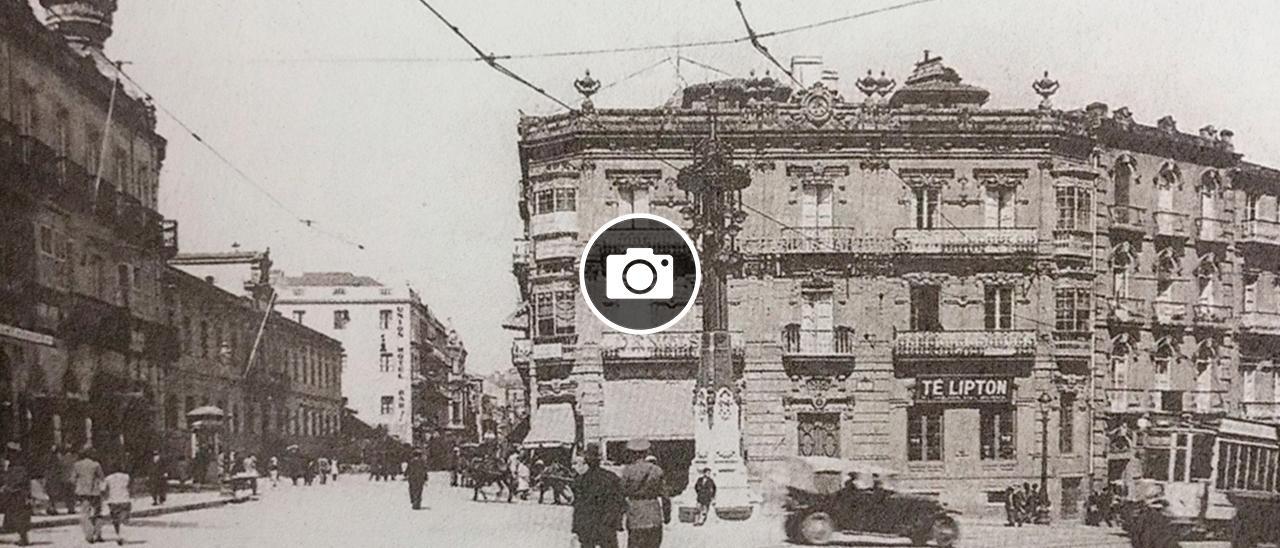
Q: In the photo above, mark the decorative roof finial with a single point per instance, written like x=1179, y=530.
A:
x=587, y=86
x=868, y=84
x=1045, y=88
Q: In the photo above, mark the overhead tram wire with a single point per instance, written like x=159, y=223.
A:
x=647, y=68
x=760, y=47
x=309, y=223
x=486, y=58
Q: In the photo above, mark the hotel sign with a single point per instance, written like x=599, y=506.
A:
x=20, y=334
x=964, y=389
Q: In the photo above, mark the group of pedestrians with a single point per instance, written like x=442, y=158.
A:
x=1102, y=506
x=605, y=503
x=95, y=489
x=1026, y=504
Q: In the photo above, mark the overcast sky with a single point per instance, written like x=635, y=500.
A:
x=418, y=161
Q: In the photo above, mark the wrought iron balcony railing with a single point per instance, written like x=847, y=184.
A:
x=817, y=342
x=1126, y=217
x=1212, y=230
x=1141, y=400
x=1262, y=323
x=926, y=344
x=1261, y=410
x=1259, y=231
x=821, y=240
x=1171, y=224
x=1072, y=244
x=1210, y=315
x=1128, y=310
x=1169, y=313
x=664, y=345
x=968, y=241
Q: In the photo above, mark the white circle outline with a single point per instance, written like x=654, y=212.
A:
x=697, y=273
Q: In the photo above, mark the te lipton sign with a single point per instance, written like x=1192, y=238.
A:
x=964, y=389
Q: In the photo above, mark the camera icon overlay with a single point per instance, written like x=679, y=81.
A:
x=640, y=273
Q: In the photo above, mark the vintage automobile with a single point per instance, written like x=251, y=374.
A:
x=828, y=495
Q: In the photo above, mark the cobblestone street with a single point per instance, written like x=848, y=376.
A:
x=356, y=512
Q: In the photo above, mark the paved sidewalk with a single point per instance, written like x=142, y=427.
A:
x=142, y=507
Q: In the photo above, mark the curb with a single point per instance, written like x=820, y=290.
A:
x=63, y=521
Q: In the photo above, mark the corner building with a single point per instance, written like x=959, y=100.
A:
x=927, y=284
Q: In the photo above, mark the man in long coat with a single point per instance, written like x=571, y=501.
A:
x=647, y=504
x=416, y=474
x=598, y=503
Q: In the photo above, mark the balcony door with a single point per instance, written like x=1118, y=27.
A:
x=634, y=199
x=815, y=209
x=1123, y=174
x=924, y=308
x=925, y=201
x=997, y=207
x=1204, y=381
x=816, y=322
x=1164, y=195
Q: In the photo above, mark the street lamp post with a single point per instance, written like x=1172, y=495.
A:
x=713, y=186
x=1045, y=399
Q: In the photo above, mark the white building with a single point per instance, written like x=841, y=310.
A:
x=405, y=369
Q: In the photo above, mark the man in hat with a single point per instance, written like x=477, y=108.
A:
x=416, y=474
x=87, y=477
x=598, y=503
x=705, y=488
x=16, y=491
x=647, y=505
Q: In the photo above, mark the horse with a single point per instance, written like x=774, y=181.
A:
x=484, y=473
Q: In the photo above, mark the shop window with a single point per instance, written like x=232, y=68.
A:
x=924, y=433
x=819, y=435
x=996, y=433
x=998, y=307
x=924, y=308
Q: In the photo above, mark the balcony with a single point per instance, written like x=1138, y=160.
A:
x=1213, y=230
x=1261, y=410
x=1144, y=400
x=1168, y=313
x=820, y=240
x=558, y=248
x=968, y=241
x=1260, y=323
x=1170, y=224
x=1210, y=315
x=1128, y=218
x=521, y=351
x=817, y=342
x=957, y=344
x=562, y=390
x=520, y=258
x=1073, y=344
x=1072, y=244
x=1260, y=232
x=667, y=345
x=1127, y=310
x=96, y=323
x=555, y=223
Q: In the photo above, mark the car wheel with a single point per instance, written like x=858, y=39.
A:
x=816, y=528
x=944, y=531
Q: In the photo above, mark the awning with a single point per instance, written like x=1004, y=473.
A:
x=551, y=425
x=518, y=320
x=656, y=410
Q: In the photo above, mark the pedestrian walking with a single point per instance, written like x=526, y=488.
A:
x=1151, y=528
x=310, y=473
x=273, y=471
x=1016, y=506
x=322, y=469
x=333, y=468
x=157, y=479
x=415, y=473
x=456, y=467
x=67, y=491
x=15, y=491
x=598, y=503
x=54, y=482
x=116, y=495
x=647, y=505
x=1106, y=506
x=87, y=479
x=705, y=489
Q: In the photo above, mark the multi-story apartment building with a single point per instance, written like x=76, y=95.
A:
x=277, y=382
x=931, y=285
x=82, y=336
x=406, y=370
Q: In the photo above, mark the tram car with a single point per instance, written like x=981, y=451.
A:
x=1219, y=478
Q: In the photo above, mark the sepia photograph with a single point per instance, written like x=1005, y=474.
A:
x=640, y=274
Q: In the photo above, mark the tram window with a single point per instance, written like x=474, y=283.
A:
x=1228, y=456
x=1202, y=457
x=1156, y=465
x=1223, y=459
